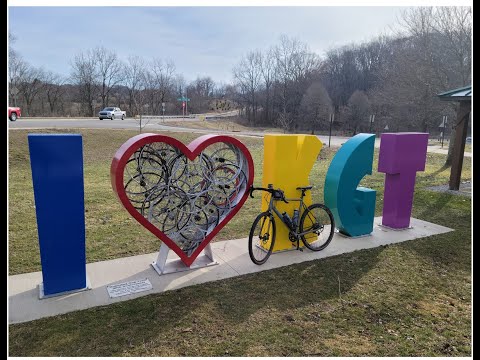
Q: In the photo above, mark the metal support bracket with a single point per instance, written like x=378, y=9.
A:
x=163, y=265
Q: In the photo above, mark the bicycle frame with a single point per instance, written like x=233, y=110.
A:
x=273, y=208
x=262, y=237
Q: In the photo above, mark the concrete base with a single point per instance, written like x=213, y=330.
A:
x=41, y=291
x=173, y=266
x=395, y=229
x=232, y=256
x=339, y=233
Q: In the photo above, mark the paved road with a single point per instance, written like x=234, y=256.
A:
x=159, y=125
x=154, y=124
x=82, y=123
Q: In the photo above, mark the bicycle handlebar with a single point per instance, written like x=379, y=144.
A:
x=271, y=191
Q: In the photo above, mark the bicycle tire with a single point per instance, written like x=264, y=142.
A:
x=329, y=218
x=253, y=248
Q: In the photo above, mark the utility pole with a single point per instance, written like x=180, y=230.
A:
x=332, y=116
x=444, y=127
x=186, y=102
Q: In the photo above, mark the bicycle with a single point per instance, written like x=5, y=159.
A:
x=316, y=226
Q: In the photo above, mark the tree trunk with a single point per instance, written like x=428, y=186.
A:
x=28, y=103
x=448, y=161
x=103, y=95
x=424, y=125
x=130, y=103
x=267, y=105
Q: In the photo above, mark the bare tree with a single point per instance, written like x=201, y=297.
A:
x=284, y=119
x=440, y=59
x=283, y=61
x=54, y=90
x=17, y=70
x=30, y=85
x=412, y=80
x=151, y=91
x=267, y=69
x=11, y=40
x=294, y=63
x=358, y=109
x=201, y=93
x=409, y=87
x=85, y=74
x=455, y=25
x=134, y=80
x=109, y=71
x=140, y=101
x=248, y=75
x=179, y=84
x=341, y=74
x=163, y=72
x=316, y=106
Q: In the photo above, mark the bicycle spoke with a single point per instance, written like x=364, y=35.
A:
x=318, y=224
x=262, y=238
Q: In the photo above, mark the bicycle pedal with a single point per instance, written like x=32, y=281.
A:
x=301, y=249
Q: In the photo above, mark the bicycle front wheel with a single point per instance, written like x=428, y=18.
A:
x=318, y=223
x=262, y=238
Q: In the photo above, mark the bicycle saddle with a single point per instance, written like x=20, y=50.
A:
x=309, y=187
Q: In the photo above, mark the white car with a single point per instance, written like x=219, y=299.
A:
x=112, y=113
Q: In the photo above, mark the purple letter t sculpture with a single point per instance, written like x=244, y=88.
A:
x=401, y=156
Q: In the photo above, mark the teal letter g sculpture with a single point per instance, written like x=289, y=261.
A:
x=353, y=207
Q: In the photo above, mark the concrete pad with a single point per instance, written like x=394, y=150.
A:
x=465, y=189
x=232, y=256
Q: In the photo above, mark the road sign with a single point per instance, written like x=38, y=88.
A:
x=183, y=104
x=14, y=91
x=443, y=124
x=183, y=98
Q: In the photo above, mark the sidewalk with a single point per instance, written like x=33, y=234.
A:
x=232, y=256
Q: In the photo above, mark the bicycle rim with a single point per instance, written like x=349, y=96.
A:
x=262, y=238
x=318, y=221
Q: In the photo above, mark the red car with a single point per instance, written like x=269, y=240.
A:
x=14, y=113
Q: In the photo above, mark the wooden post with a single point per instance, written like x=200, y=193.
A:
x=461, y=128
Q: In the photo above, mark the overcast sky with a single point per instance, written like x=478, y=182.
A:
x=201, y=41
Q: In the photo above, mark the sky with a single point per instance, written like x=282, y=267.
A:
x=201, y=41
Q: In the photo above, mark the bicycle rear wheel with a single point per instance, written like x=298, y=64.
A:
x=318, y=221
x=261, y=238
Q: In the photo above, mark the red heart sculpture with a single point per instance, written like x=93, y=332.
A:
x=184, y=195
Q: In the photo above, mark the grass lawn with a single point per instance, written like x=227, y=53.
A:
x=227, y=125
x=409, y=299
